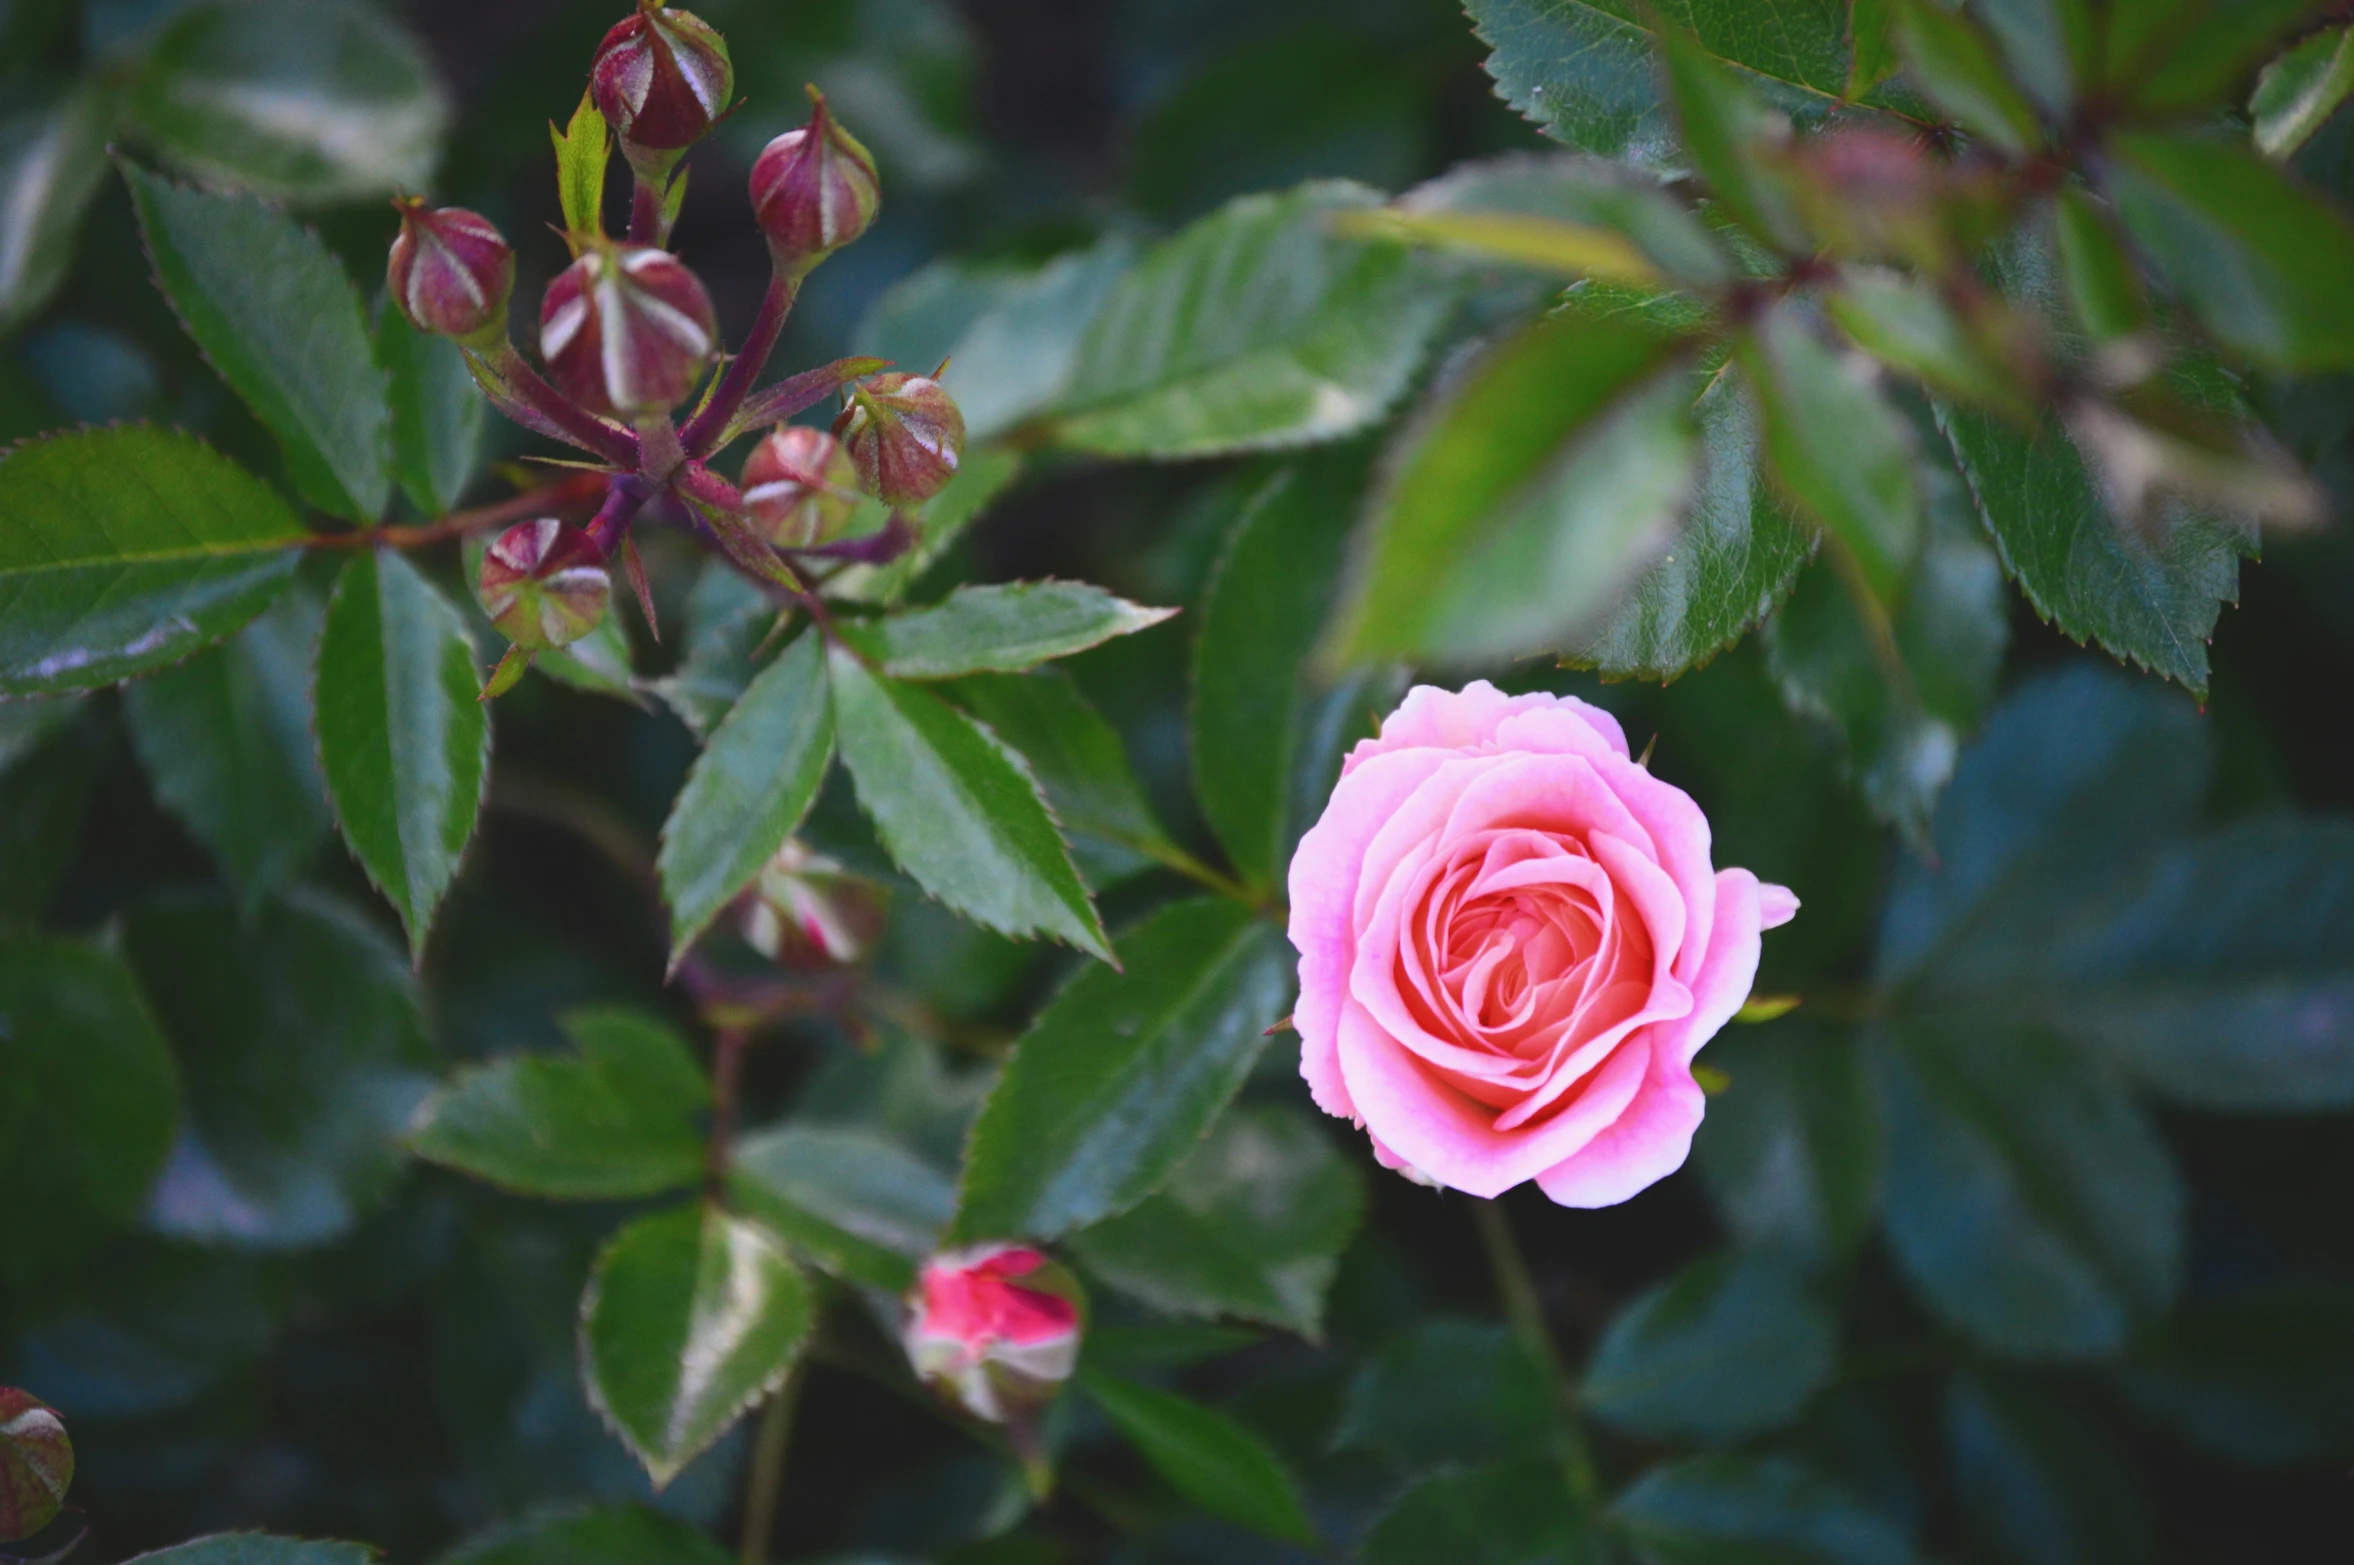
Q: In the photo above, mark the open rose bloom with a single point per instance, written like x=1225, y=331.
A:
x=996, y=1326
x=1512, y=943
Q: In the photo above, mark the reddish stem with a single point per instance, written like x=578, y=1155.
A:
x=559, y=414
x=701, y=435
x=564, y=495
x=727, y=1074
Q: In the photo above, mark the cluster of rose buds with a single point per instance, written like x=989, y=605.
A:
x=628, y=336
x=995, y=1328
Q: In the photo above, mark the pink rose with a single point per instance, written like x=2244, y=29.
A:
x=1511, y=945
x=996, y=1326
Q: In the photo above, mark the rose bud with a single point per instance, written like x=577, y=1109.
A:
x=627, y=330
x=805, y=910
x=36, y=1464
x=800, y=486
x=450, y=272
x=661, y=78
x=995, y=1327
x=814, y=190
x=543, y=584
x=904, y=434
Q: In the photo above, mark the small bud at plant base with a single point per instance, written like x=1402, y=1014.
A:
x=627, y=330
x=995, y=1327
x=450, y=272
x=814, y=190
x=661, y=78
x=36, y=1464
x=805, y=910
x=904, y=434
x=800, y=486
x=543, y=584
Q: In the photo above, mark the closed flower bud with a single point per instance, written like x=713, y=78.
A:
x=995, y=1327
x=543, y=584
x=805, y=910
x=661, y=78
x=904, y=434
x=36, y=1465
x=627, y=330
x=450, y=272
x=814, y=190
x=800, y=486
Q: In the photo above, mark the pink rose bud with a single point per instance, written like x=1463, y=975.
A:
x=814, y=190
x=1524, y=1001
x=805, y=910
x=627, y=330
x=996, y=1327
x=36, y=1464
x=800, y=486
x=904, y=434
x=543, y=584
x=661, y=78
x=450, y=272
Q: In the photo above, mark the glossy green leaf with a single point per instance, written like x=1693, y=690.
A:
x=1206, y=1456
x=403, y=741
x=2265, y=1377
x=302, y=1054
x=583, y=149
x=86, y=1103
x=126, y=550
x=958, y=810
x=226, y=742
x=2039, y=1483
x=299, y=100
x=2180, y=54
x=2148, y=595
x=2299, y=91
x=855, y=1201
x=631, y=1535
x=728, y=621
x=1958, y=68
x=1736, y=557
x=1906, y=324
x=2104, y=285
x=1535, y=485
x=1578, y=194
x=751, y=786
x=2257, y=255
x=1731, y=1346
x=1078, y=760
x=259, y=1548
x=1727, y=135
x=1121, y=1075
x=1871, y=40
x=1252, y=1224
x=1448, y=1393
x=1270, y=593
x=623, y=1118
x=1791, y=1149
x=1743, y=1510
x=690, y=1319
x=1256, y=327
x=1511, y=1513
x=1000, y=630
x=1837, y=446
x=279, y=320
x=55, y=158
x=2029, y=1199
x=437, y=412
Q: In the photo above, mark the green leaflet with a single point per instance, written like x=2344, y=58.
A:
x=623, y=1535
x=257, y=1548
x=54, y=162
x=1731, y=1346
x=856, y=1201
x=2034, y=1475
x=1506, y=1513
x=1791, y=1150
x=1727, y=1510
x=437, y=412
x=1206, y=1456
x=998, y=629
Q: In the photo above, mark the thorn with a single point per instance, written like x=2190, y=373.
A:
x=1644, y=760
x=637, y=581
x=1281, y=1026
x=1765, y=1007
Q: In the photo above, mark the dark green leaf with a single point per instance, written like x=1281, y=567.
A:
x=583, y=148
x=1449, y=1392
x=51, y=161
x=857, y=1202
x=1907, y=324
x=621, y=1536
x=983, y=475
x=1739, y=1510
x=303, y=100
x=600, y=662
x=1255, y=327
x=1078, y=761
x=258, y=1548
x=691, y=1317
x=1732, y=1346
x=281, y=323
x=127, y=549
x=1791, y=1149
x=156, y=1330
x=1271, y=591
x=2104, y=285
x=1206, y=1457
x=437, y=412
x=1536, y=484
x=1728, y=134
x=2258, y=256
x=1252, y=1224
x=2029, y=1199
x=2049, y=44
x=44, y=800
x=1001, y=630
x=623, y=1119
x=2298, y=92
x=86, y=1102
x=1118, y=1079
x=728, y=620
x=1957, y=67
x=301, y=1053
x=403, y=741
x=27, y=725
x=958, y=810
x=226, y=741
x=2264, y=1378
x=2150, y=595
x=1513, y=1513
x=2040, y=1485
x=2180, y=54
x=751, y=786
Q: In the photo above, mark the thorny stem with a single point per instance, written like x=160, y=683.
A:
x=1527, y=1318
x=564, y=494
x=510, y=379
x=625, y=496
x=765, y=1481
x=702, y=431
